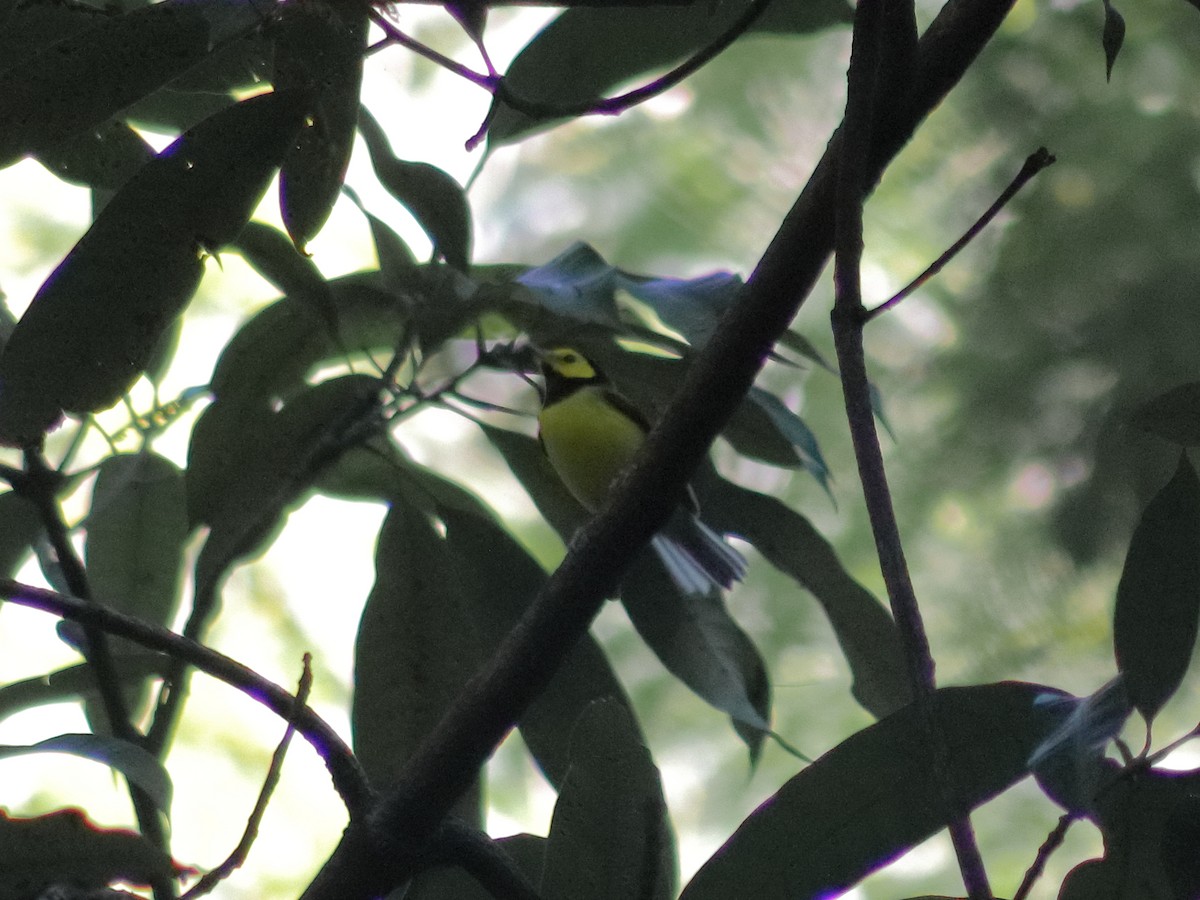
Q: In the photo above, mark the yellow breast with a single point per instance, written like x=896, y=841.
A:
x=589, y=442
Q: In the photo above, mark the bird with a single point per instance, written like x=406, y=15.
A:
x=590, y=433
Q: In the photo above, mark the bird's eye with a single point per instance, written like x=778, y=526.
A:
x=570, y=358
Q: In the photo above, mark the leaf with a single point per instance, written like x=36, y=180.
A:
x=75, y=682
x=585, y=52
x=276, y=259
x=792, y=428
x=577, y=284
x=132, y=761
x=63, y=846
x=693, y=306
x=700, y=644
x=1174, y=416
x=94, y=324
x=20, y=528
x=78, y=83
x=864, y=629
x=609, y=836
x=392, y=252
x=134, y=552
x=104, y=157
x=874, y=796
x=1136, y=815
x=248, y=467
x=319, y=47
x=436, y=200
x=1158, y=597
x=415, y=649
x=1114, y=37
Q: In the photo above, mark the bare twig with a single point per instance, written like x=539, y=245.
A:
x=848, y=318
x=349, y=780
x=237, y=858
x=1053, y=841
x=1034, y=163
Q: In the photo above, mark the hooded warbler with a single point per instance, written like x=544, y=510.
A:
x=590, y=433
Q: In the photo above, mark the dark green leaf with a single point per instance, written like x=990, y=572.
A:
x=792, y=428
x=577, y=285
x=76, y=682
x=609, y=836
x=247, y=467
x=1138, y=816
x=104, y=157
x=94, y=324
x=864, y=629
x=691, y=306
x=20, y=527
x=700, y=644
x=276, y=259
x=392, y=252
x=436, y=200
x=1158, y=597
x=1114, y=37
x=416, y=647
x=874, y=796
x=319, y=47
x=136, y=530
x=585, y=52
x=131, y=761
x=80, y=82
x=1174, y=415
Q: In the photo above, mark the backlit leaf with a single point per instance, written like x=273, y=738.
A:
x=1158, y=597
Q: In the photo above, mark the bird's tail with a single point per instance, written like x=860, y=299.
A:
x=696, y=557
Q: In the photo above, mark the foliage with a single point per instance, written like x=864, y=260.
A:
x=316, y=392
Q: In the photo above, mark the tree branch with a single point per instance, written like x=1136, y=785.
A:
x=368, y=863
x=349, y=780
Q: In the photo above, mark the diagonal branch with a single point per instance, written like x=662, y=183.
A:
x=370, y=862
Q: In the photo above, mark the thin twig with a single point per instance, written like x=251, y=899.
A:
x=848, y=319
x=349, y=780
x=396, y=36
x=237, y=858
x=1034, y=163
x=1053, y=841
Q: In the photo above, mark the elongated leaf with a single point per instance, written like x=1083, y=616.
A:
x=392, y=252
x=1158, y=597
x=609, y=836
x=415, y=648
x=94, y=324
x=75, y=683
x=436, y=200
x=134, y=551
x=130, y=760
x=792, y=428
x=1113, y=37
x=104, y=157
x=873, y=796
x=319, y=47
x=78, y=83
x=864, y=629
x=246, y=468
x=699, y=642
x=585, y=52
